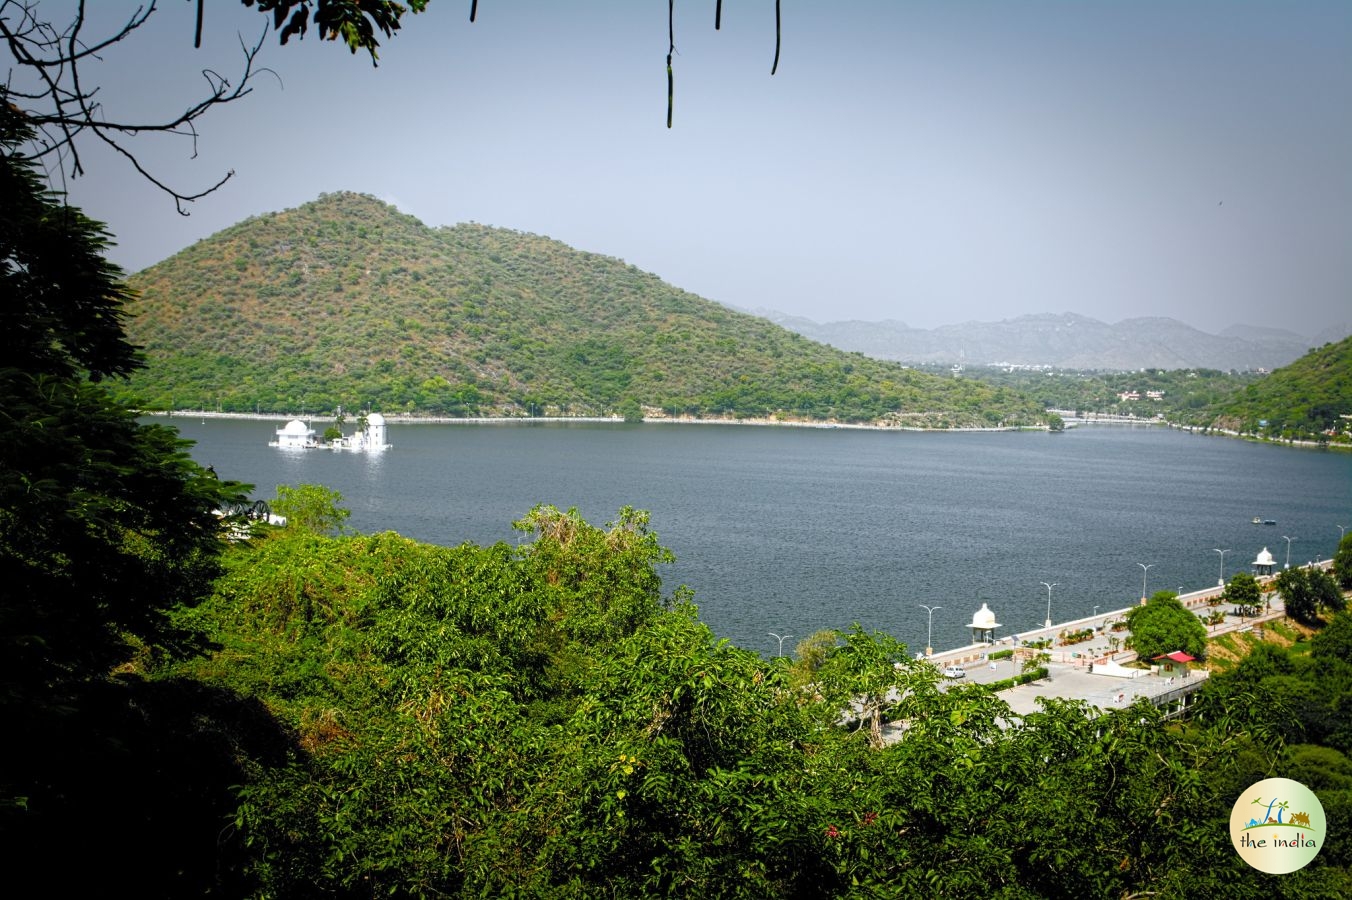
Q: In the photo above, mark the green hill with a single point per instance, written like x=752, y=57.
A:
x=1303, y=399
x=347, y=301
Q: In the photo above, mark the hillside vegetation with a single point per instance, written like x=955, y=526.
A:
x=1177, y=395
x=347, y=301
x=1303, y=399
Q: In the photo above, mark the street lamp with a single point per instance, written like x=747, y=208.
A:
x=1222, y=553
x=1288, y=551
x=781, y=640
x=1049, y=599
x=1095, y=611
x=1144, y=571
x=929, y=635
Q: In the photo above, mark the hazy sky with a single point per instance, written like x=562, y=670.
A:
x=932, y=162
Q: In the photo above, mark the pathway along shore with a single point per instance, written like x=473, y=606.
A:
x=1069, y=675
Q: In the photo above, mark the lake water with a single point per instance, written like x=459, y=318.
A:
x=790, y=530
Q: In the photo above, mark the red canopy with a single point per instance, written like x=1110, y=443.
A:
x=1178, y=656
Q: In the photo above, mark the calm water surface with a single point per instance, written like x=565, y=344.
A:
x=792, y=530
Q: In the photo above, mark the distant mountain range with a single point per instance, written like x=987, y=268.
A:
x=1066, y=341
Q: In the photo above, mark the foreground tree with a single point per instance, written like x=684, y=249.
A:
x=311, y=507
x=1243, y=590
x=1328, y=595
x=1342, y=562
x=1299, y=595
x=104, y=523
x=1334, y=640
x=869, y=676
x=106, y=530
x=471, y=722
x=1164, y=625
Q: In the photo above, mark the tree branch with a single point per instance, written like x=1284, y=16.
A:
x=61, y=108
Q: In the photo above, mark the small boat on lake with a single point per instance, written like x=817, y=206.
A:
x=1259, y=520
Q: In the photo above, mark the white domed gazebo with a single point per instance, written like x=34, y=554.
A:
x=983, y=625
x=294, y=435
x=1264, y=564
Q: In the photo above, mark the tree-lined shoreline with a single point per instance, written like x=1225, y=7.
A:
x=407, y=419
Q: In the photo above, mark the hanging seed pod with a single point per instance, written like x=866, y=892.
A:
x=775, y=67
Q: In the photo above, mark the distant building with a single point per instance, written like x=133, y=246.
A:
x=1175, y=663
x=371, y=438
x=295, y=435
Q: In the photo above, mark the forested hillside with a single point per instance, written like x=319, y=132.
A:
x=347, y=301
x=1306, y=398
x=1177, y=395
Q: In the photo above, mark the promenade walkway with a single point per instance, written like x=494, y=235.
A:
x=1069, y=675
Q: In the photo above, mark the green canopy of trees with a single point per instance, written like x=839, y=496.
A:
x=311, y=507
x=1302, y=400
x=1342, y=561
x=106, y=529
x=1243, y=590
x=547, y=720
x=304, y=714
x=104, y=523
x=1164, y=625
x=1300, y=703
x=1308, y=591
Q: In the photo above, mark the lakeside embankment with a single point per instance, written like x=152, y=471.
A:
x=1069, y=418
x=1073, y=419
x=1097, y=671
x=403, y=419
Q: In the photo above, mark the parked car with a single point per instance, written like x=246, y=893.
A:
x=955, y=672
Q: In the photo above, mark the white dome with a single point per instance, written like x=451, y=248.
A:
x=984, y=618
x=1265, y=558
x=375, y=419
x=295, y=426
